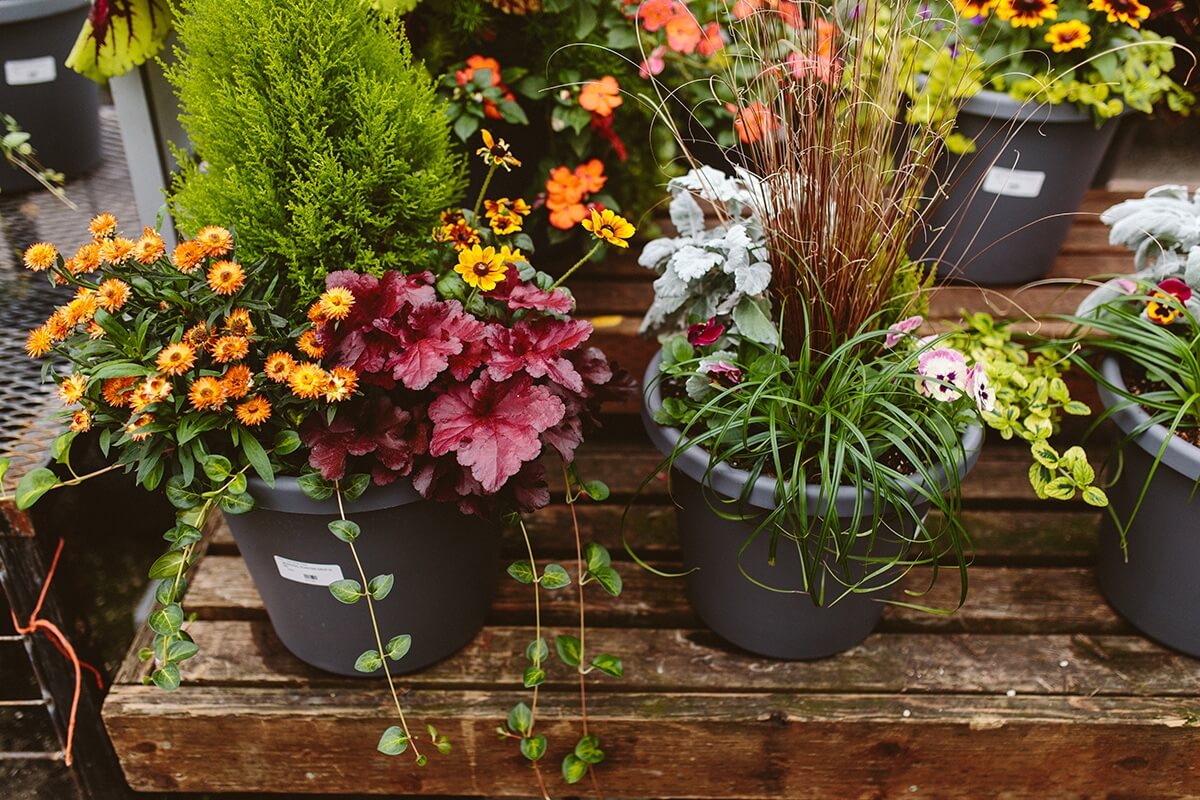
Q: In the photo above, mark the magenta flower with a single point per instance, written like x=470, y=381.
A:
x=724, y=374
x=703, y=334
x=1180, y=290
x=1125, y=285
x=901, y=329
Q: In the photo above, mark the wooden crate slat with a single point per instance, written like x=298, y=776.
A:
x=687, y=746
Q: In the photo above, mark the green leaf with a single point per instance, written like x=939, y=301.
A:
x=286, y=442
x=554, y=576
x=1095, y=496
x=5, y=463
x=597, y=490
x=537, y=651
x=168, y=591
x=1077, y=408
x=398, y=647
x=596, y=556
x=609, y=665
x=520, y=719
x=345, y=530
x=534, y=747
x=182, y=650
x=236, y=503
x=534, y=676
x=521, y=571
x=573, y=768
x=314, y=486
x=1060, y=489
x=393, y=742
x=33, y=485
x=753, y=321
x=166, y=677
x=588, y=750
x=168, y=565
x=381, y=586
x=1045, y=455
x=346, y=591
x=62, y=445
x=179, y=495
x=217, y=468
x=166, y=620
x=465, y=127
x=257, y=456
x=369, y=661
x=354, y=486
x=568, y=649
x=237, y=484
x=608, y=578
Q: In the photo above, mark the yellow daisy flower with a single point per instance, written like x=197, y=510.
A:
x=1131, y=12
x=496, y=152
x=481, y=268
x=609, y=227
x=1026, y=13
x=1069, y=35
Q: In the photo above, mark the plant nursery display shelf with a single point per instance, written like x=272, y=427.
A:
x=1035, y=688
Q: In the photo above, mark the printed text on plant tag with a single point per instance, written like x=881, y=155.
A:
x=304, y=572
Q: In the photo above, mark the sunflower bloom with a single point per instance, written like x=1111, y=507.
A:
x=117, y=391
x=176, y=358
x=134, y=428
x=226, y=277
x=228, y=349
x=496, y=152
x=102, y=226
x=237, y=382
x=38, y=342
x=40, y=256
x=309, y=346
x=337, y=302
x=609, y=227
x=112, y=294
x=238, y=323
x=342, y=383
x=150, y=248
x=279, y=366
x=81, y=421
x=308, y=381
x=215, y=240
x=206, y=393
x=481, y=267
x=254, y=411
x=187, y=256
x=116, y=251
x=71, y=390
x=1131, y=12
x=1069, y=35
x=1026, y=13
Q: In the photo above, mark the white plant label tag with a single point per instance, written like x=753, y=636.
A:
x=1013, y=182
x=26, y=71
x=303, y=572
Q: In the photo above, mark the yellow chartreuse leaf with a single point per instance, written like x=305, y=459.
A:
x=118, y=36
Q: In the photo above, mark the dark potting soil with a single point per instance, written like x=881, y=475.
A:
x=1140, y=384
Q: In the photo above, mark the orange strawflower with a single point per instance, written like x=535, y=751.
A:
x=206, y=393
x=238, y=323
x=176, y=358
x=154, y=389
x=279, y=366
x=117, y=391
x=254, y=411
x=112, y=294
x=226, y=277
x=102, y=226
x=343, y=381
x=237, y=381
x=134, y=428
x=228, y=349
x=59, y=324
x=150, y=248
x=316, y=314
x=82, y=308
x=215, y=240
x=94, y=331
x=40, y=256
x=38, y=342
x=81, y=421
x=71, y=390
x=87, y=259
x=337, y=302
x=308, y=381
x=187, y=255
x=116, y=251
x=199, y=336
x=601, y=97
x=309, y=346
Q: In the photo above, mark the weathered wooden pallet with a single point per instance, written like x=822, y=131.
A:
x=1034, y=689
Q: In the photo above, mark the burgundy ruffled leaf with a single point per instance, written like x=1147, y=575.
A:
x=426, y=337
x=537, y=347
x=377, y=427
x=526, y=295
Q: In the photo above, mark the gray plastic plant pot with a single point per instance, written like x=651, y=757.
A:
x=1156, y=588
x=58, y=107
x=785, y=625
x=445, y=566
x=1008, y=206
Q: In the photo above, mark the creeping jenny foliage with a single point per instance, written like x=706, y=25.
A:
x=323, y=144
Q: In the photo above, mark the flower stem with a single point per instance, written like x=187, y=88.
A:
x=378, y=639
x=482, y=193
x=576, y=265
x=579, y=566
x=537, y=655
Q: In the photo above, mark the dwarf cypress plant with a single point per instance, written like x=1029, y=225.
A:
x=319, y=140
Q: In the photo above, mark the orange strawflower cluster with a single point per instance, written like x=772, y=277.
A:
x=568, y=191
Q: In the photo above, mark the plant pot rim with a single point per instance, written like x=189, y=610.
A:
x=12, y=11
x=287, y=496
x=731, y=481
x=1001, y=105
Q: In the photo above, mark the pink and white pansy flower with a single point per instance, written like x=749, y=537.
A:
x=902, y=329
x=944, y=374
x=978, y=388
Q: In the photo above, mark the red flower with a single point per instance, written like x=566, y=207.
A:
x=1180, y=290
x=703, y=334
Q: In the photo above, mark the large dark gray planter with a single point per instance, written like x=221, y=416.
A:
x=445, y=565
x=1156, y=589
x=1009, y=204
x=771, y=623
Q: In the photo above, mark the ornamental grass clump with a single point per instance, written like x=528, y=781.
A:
x=317, y=138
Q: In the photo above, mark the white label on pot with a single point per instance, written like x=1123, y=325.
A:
x=312, y=574
x=25, y=71
x=1014, y=182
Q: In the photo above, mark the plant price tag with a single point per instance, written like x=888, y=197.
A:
x=26, y=71
x=303, y=572
x=1013, y=182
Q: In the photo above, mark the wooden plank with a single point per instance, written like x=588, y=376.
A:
x=688, y=746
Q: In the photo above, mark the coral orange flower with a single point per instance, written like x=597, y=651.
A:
x=39, y=341
x=176, y=358
x=713, y=40
x=206, y=393
x=134, y=428
x=228, y=349
x=102, y=226
x=654, y=14
x=237, y=382
x=337, y=302
x=117, y=391
x=496, y=152
x=603, y=96
x=609, y=227
x=116, y=251
x=564, y=187
x=238, y=323
x=308, y=381
x=150, y=248
x=590, y=175
x=71, y=390
x=1069, y=35
x=342, y=384
x=308, y=344
x=1026, y=13
x=81, y=421
x=1130, y=12
x=40, y=256
x=226, y=277
x=215, y=240
x=481, y=267
x=279, y=366
x=187, y=256
x=254, y=411
x=87, y=259
x=112, y=294
x=683, y=33
x=753, y=122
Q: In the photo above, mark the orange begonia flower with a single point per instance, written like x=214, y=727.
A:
x=602, y=96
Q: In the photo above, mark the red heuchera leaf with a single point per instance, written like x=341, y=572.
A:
x=602, y=382
x=376, y=426
x=526, y=295
x=357, y=341
x=537, y=347
x=445, y=480
x=425, y=337
x=493, y=427
x=474, y=353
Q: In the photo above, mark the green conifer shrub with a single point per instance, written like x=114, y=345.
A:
x=318, y=139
